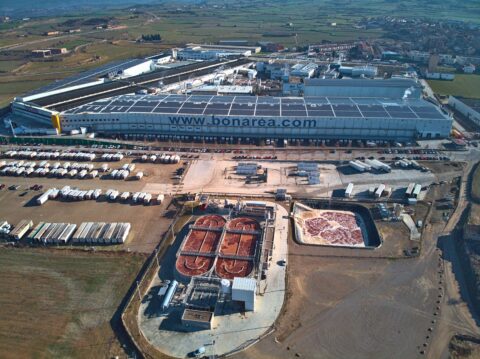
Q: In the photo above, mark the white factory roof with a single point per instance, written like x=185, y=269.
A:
x=264, y=106
x=246, y=284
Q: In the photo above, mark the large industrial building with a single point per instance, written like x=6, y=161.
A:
x=390, y=88
x=261, y=117
x=351, y=109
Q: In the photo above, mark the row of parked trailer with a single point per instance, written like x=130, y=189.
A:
x=124, y=172
x=67, y=169
x=74, y=194
x=15, y=232
x=62, y=233
x=43, y=172
x=75, y=170
x=70, y=194
x=57, y=169
x=101, y=233
x=380, y=191
x=163, y=158
x=413, y=190
x=55, y=165
x=111, y=157
x=119, y=174
x=32, y=154
x=369, y=165
x=407, y=163
x=136, y=197
x=52, y=233
x=77, y=156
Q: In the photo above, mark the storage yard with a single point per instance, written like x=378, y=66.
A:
x=147, y=225
x=114, y=166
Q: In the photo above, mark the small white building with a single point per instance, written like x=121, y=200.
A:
x=303, y=70
x=440, y=76
x=244, y=290
x=138, y=69
x=200, y=53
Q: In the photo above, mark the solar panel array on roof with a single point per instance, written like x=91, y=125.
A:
x=87, y=76
x=247, y=106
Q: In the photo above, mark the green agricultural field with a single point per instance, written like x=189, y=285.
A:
x=72, y=44
x=10, y=89
x=463, y=85
x=60, y=304
x=7, y=66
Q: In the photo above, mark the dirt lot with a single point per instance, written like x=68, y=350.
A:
x=219, y=176
x=148, y=222
x=340, y=306
x=60, y=304
x=352, y=308
x=441, y=167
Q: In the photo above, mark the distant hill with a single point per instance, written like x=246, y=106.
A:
x=467, y=10
x=34, y=8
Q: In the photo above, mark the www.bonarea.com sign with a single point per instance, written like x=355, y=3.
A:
x=237, y=122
